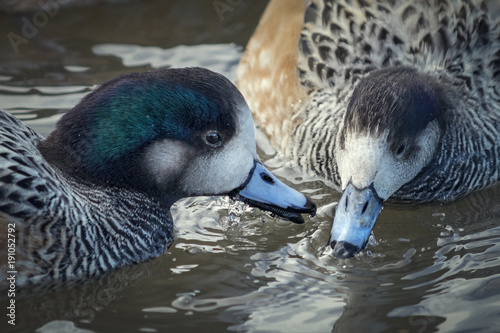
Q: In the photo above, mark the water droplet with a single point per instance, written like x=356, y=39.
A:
x=194, y=250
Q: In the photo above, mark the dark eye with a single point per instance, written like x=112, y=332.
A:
x=213, y=138
x=400, y=150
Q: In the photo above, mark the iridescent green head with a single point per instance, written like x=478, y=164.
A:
x=169, y=134
x=130, y=112
x=110, y=134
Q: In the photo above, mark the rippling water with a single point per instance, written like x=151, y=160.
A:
x=428, y=268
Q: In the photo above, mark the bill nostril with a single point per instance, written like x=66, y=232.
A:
x=365, y=207
x=265, y=177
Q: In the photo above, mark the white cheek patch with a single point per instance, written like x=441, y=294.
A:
x=227, y=168
x=368, y=160
x=246, y=131
x=166, y=159
x=359, y=161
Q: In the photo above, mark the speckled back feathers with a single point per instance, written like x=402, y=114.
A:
x=456, y=44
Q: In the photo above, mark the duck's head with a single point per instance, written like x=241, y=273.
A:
x=390, y=133
x=170, y=133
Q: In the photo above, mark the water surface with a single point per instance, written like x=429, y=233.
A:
x=433, y=268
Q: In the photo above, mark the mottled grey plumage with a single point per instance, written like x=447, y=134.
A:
x=455, y=44
x=391, y=100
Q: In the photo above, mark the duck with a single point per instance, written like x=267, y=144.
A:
x=384, y=101
x=95, y=195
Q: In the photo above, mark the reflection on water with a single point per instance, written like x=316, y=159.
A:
x=222, y=58
x=428, y=268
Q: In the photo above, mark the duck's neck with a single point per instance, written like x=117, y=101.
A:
x=126, y=173
x=468, y=158
x=315, y=134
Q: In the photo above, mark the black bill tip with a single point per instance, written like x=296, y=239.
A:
x=344, y=250
x=290, y=213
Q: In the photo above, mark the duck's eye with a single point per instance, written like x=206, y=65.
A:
x=400, y=150
x=213, y=139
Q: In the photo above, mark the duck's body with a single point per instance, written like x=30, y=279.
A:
x=104, y=226
x=397, y=100
x=96, y=194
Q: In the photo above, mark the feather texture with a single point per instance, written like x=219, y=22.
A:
x=53, y=211
x=455, y=44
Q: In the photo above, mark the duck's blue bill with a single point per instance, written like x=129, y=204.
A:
x=354, y=220
x=265, y=191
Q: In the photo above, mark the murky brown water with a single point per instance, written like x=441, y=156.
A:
x=429, y=268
